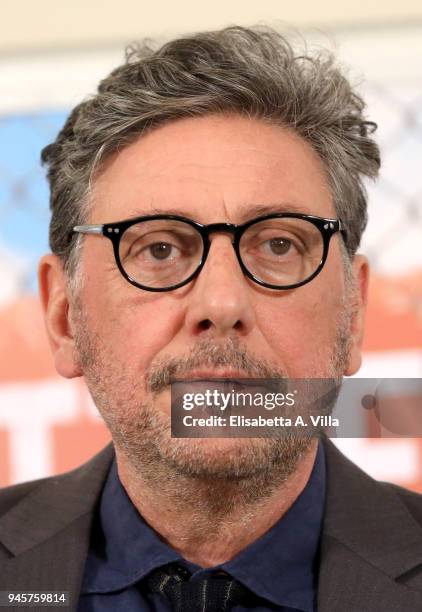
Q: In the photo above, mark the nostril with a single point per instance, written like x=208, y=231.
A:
x=238, y=325
x=205, y=324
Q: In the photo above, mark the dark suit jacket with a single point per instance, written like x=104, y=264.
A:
x=371, y=547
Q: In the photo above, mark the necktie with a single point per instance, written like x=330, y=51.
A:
x=216, y=593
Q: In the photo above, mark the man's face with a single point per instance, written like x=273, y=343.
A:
x=127, y=341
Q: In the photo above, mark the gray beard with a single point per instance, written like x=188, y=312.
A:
x=222, y=478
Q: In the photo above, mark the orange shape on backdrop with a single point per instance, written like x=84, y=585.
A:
x=76, y=443
x=24, y=351
x=5, y=476
x=394, y=316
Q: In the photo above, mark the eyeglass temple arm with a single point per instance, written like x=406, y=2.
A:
x=342, y=229
x=88, y=229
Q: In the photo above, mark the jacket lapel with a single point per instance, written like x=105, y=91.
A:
x=46, y=535
x=371, y=545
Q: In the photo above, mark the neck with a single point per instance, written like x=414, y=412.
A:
x=208, y=521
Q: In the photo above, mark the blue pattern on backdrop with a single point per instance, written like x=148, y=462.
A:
x=24, y=207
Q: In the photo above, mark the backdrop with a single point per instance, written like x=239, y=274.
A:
x=48, y=424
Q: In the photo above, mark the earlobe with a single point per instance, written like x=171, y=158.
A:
x=56, y=306
x=359, y=299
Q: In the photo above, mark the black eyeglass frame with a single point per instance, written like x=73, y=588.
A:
x=115, y=231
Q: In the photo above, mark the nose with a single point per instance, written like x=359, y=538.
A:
x=220, y=301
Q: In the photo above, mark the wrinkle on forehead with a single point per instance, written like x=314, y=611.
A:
x=243, y=213
x=207, y=166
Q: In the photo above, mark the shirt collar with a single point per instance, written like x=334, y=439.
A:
x=125, y=547
x=280, y=566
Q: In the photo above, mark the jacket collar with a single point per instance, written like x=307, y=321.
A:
x=369, y=517
x=371, y=546
x=54, y=504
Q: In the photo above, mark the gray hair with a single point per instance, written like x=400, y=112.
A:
x=249, y=71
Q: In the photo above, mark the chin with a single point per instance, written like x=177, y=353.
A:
x=233, y=458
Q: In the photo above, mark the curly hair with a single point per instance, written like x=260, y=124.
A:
x=250, y=71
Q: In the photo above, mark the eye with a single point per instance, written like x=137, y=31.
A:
x=163, y=247
x=275, y=241
x=279, y=246
x=160, y=250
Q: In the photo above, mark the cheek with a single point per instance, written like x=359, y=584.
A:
x=301, y=328
x=140, y=328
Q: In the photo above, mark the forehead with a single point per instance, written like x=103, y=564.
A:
x=213, y=168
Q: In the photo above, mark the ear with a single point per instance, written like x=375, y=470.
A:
x=56, y=305
x=360, y=266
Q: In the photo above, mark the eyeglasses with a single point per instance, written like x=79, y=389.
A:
x=164, y=252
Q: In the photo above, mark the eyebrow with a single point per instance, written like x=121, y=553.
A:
x=246, y=212
x=258, y=210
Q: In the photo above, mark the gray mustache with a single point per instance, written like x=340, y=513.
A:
x=208, y=354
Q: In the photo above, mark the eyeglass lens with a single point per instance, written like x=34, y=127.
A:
x=165, y=252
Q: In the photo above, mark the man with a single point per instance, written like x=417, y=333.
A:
x=144, y=286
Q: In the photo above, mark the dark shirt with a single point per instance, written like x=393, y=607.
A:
x=281, y=566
